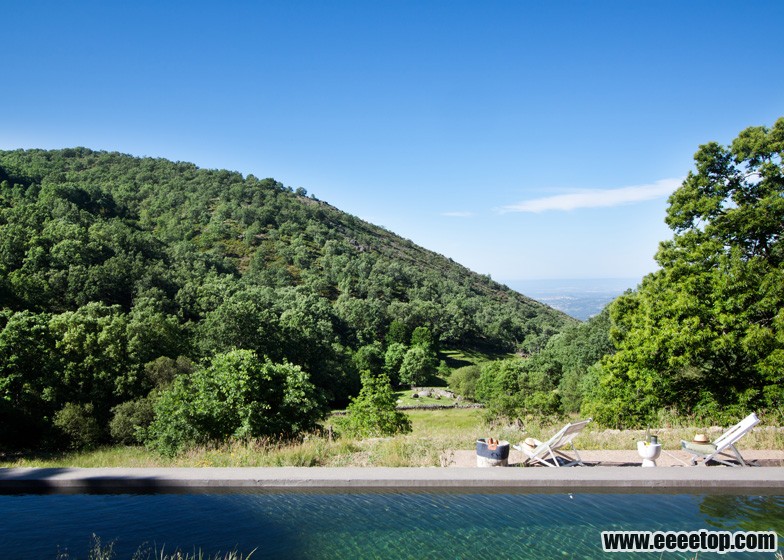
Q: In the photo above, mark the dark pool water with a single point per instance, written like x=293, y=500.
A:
x=370, y=525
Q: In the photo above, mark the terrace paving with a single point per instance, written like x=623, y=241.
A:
x=620, y=458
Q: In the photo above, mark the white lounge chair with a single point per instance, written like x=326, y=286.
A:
x=718, y=449
x=549, y=452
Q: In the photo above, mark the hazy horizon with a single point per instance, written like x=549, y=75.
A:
x=580, y=298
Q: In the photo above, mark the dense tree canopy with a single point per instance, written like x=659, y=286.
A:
x=551, y=382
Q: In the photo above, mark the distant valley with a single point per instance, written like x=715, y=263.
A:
x=579, y=298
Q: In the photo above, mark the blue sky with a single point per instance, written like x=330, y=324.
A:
x=524, y=140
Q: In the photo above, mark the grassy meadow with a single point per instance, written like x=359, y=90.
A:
x=436, y=433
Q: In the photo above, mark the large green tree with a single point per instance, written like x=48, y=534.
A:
x=238, y=395
x=705, y=334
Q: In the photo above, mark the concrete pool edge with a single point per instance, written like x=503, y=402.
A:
x=122, y=480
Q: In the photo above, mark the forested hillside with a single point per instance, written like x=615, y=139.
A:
x=120, y=274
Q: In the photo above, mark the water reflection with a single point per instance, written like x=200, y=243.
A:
x=744, y=513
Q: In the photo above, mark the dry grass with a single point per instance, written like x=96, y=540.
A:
x=100, y=551
x=119, y=456
x=435, y=434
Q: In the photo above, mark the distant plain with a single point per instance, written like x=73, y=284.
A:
x=581, y=298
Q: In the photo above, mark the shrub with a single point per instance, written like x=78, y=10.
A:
x=419, y=364
x=77, y=422
x=373, y=412
x=130, y=421
x=463, y=381
x=517, y=387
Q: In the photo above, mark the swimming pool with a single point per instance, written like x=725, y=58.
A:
x=371, y=524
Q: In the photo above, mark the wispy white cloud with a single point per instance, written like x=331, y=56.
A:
x=457, y=214
x=599, y=198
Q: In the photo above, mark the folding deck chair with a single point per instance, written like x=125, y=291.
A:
x=549, y=452
x=724, y=443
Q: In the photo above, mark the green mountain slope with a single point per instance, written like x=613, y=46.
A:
x=153, y=258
